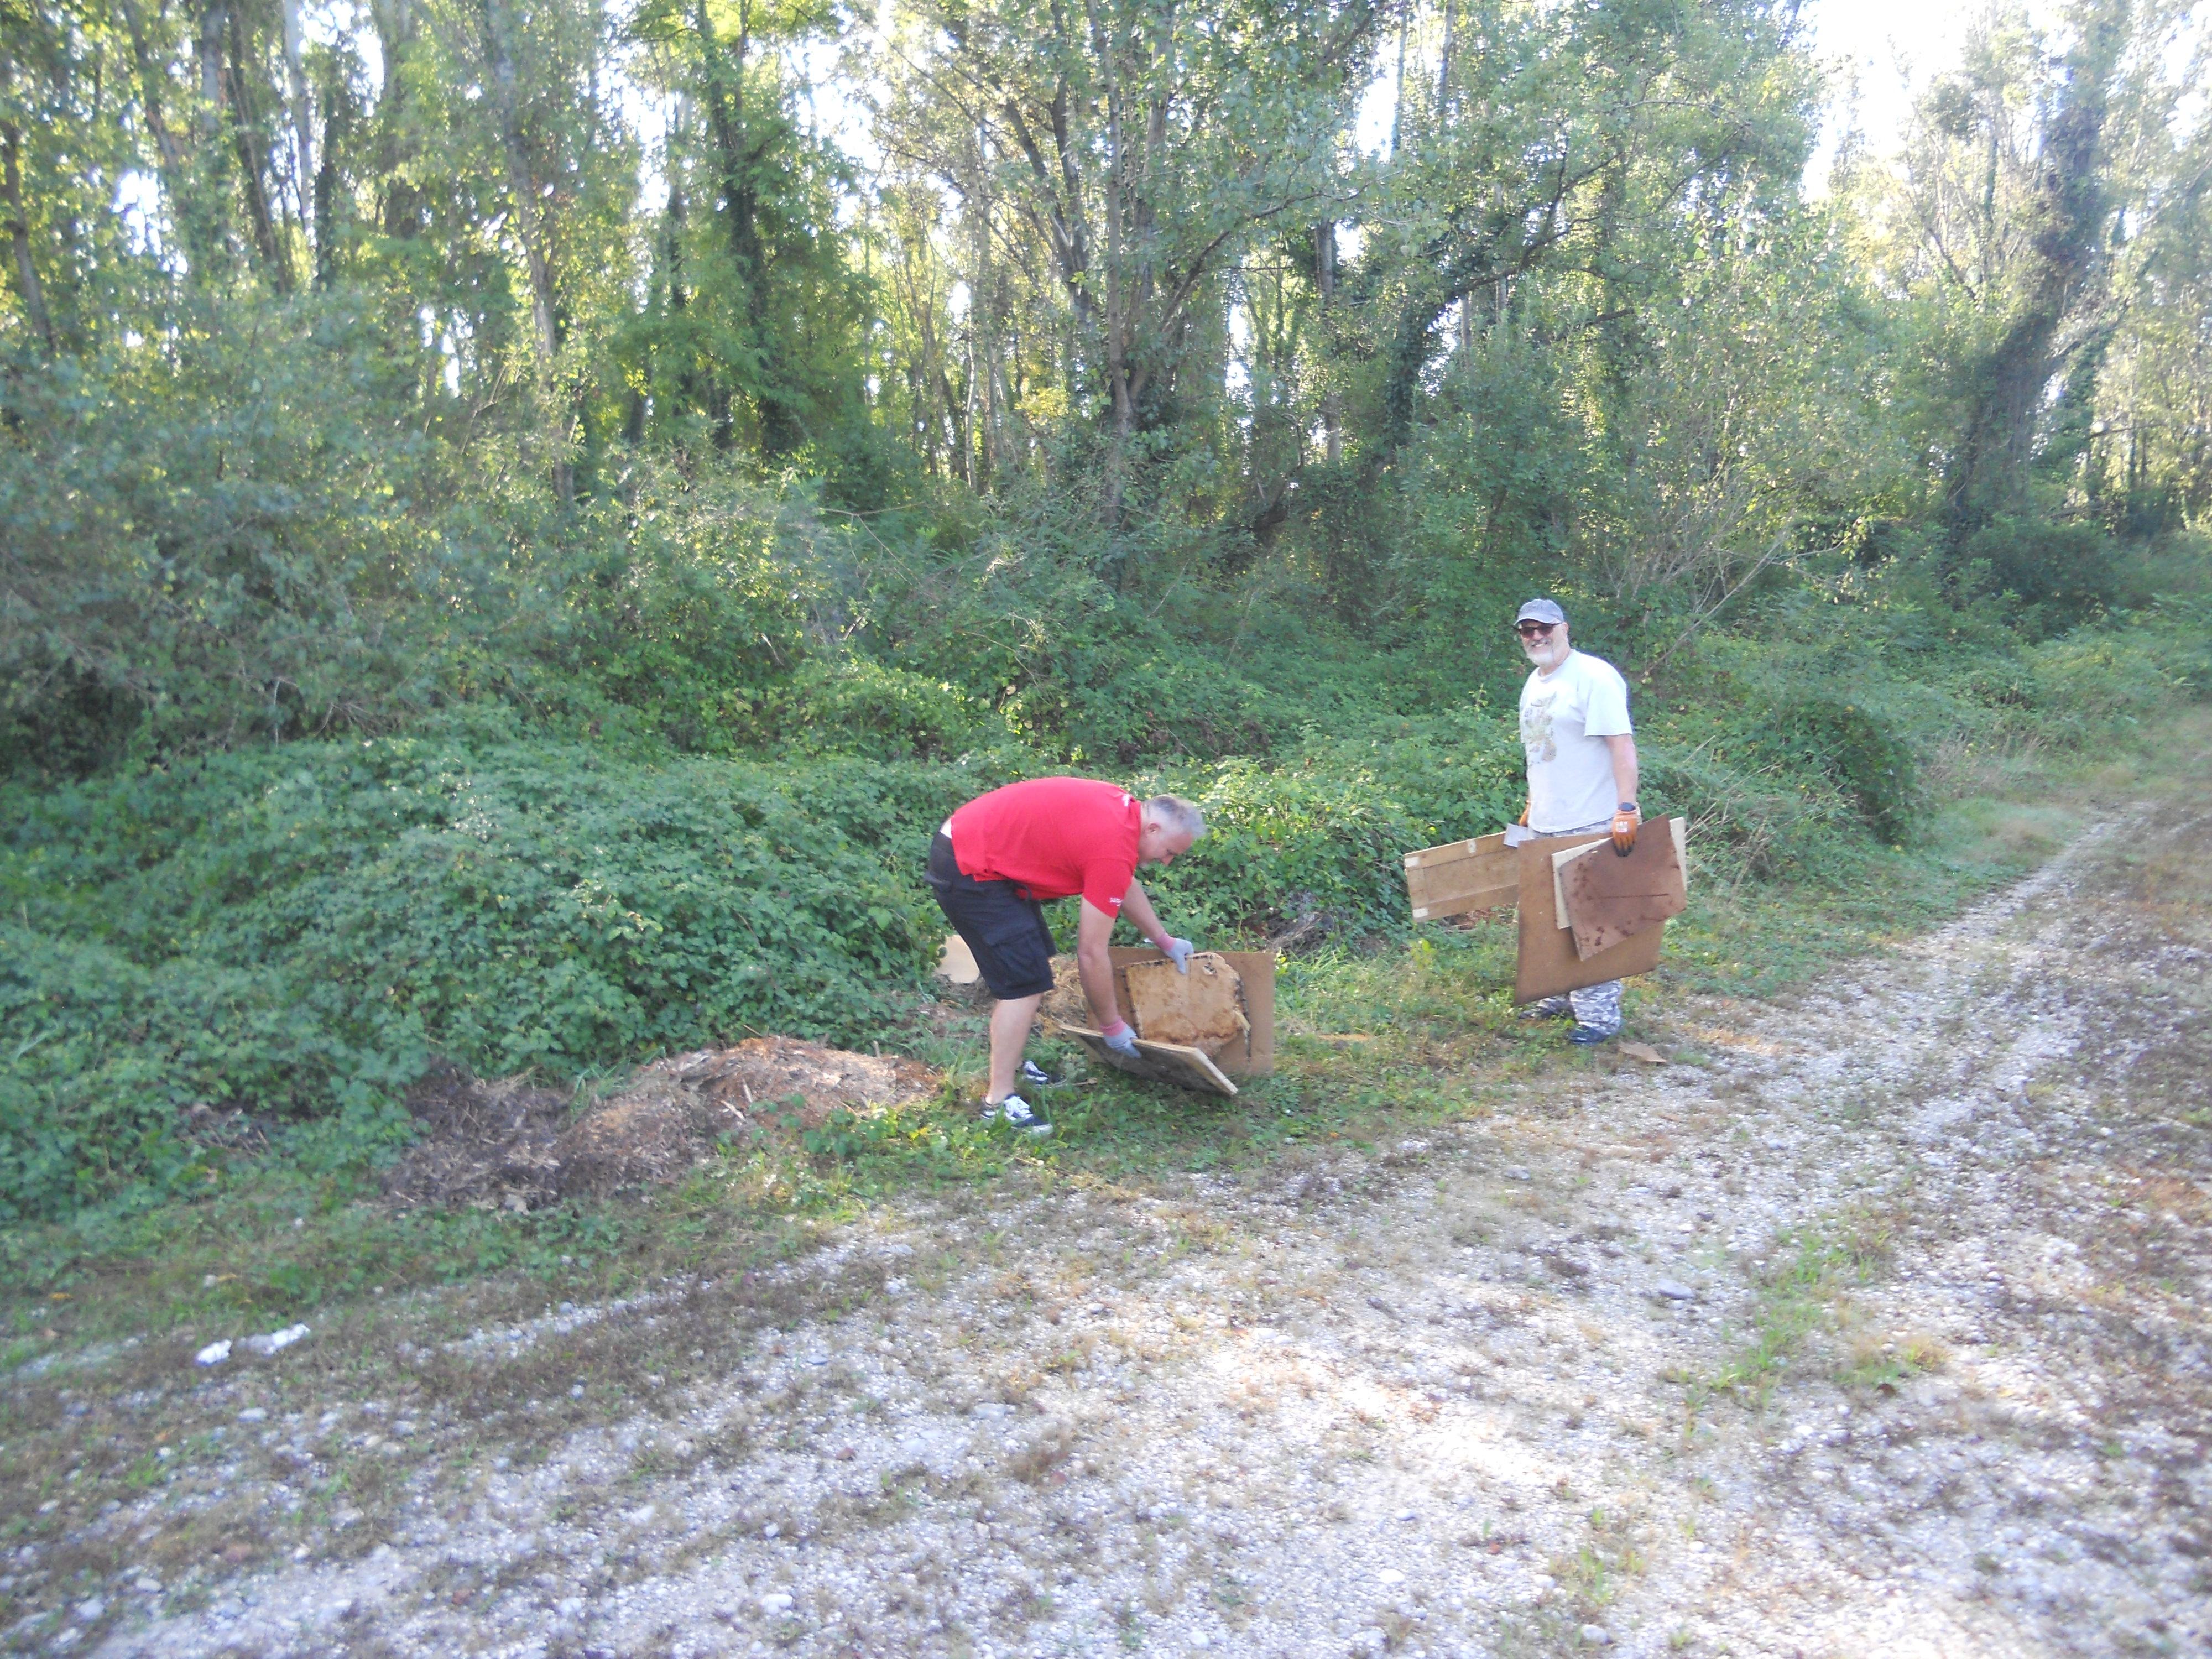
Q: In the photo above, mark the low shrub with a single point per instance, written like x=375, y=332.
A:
x=294, y=931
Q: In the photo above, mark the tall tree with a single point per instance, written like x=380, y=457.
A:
x=1142, y=146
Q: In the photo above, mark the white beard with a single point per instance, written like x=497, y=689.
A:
x=1545, y=654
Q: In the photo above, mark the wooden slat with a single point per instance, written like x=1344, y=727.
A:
x=1461, y=876
x=1256, y=1056
x=1611, y=898
x=1161, y=1062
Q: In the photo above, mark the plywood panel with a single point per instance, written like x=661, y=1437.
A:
x=1610, y=898
x=1461, y=876
x=1160, y=1062
x=1548, y=963
x=1256, y=1056
x=1203, y=1007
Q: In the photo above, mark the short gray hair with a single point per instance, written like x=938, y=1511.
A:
x=1176, y=815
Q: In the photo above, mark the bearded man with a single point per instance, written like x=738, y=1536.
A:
x=1582, y=773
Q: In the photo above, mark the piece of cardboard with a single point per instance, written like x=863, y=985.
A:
x=1610, y=898
x=1203, y=1007
x=1255, y=970
x=1548, y=963
x=1460, y=876
x=1160, y=1062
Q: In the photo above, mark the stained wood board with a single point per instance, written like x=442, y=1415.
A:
x=1461, y=876
x=1256, y=1056
x=1202, y=1006
x=1547, y=963
x=1608, y=898
x=1160, y=1062
x=1576, y=852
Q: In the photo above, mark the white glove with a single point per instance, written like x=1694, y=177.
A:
x=1120, y=1039
x=1178, y=951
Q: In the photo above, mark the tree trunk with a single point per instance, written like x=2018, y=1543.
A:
x=303, y=163
x=19, y=236
x=401, y=209
x=1398, y=85
x=780, y=430
x=1331, y=405
x=1444, y=66
x=529, y=220
x=338, y=116
x=259, y=219
x=1987, y=476
x=214, y=18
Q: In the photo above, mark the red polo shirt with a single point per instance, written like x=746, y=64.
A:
x=1052, y=837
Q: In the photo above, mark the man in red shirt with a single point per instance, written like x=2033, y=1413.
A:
x=997, y=858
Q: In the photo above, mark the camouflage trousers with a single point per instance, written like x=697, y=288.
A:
x=1597, y=1006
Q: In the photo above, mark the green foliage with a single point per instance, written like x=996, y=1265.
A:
x=2057, y=574
x=295, y=931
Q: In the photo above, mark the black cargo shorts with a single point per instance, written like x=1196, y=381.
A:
x=1005, y=931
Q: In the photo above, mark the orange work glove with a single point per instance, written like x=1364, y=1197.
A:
x=1524, y=819
x=1625, y=825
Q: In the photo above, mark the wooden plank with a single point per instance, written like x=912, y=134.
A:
x=1202, y=1008
x=1461, y=876
x=1610, y=898
x=1256, y=1056
x=1159, y=1062
x=1547, y=963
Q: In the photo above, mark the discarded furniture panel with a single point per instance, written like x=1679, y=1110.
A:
x=1607, y=898
x=1160, y=1062
x=1548, y=963
x=1254, y=1054
x=1460, y=876
x=1202, y=1009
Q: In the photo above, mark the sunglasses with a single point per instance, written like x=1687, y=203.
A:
x=1534, y=630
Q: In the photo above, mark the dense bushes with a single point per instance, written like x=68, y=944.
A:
x=294, y=930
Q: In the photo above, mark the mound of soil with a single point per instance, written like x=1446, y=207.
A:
x=506, y=1146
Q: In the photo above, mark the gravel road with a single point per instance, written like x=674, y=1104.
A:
x=1872, y=1322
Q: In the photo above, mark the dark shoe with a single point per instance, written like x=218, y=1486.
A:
x=1017, y=1113
x=1587, y=1035
x=1036, y=1076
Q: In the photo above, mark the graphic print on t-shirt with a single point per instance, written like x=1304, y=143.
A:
x=1536, y=734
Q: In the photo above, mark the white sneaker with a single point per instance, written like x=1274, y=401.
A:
x=1018, y=1114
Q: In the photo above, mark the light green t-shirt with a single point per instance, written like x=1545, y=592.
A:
x=1566, y=716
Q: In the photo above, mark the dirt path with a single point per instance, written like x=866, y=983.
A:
x=1875, y=1324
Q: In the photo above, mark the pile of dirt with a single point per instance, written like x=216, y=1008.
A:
x=676, y=1110
x=505, y=1145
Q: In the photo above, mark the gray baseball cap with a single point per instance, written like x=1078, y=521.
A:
x=1545, y=610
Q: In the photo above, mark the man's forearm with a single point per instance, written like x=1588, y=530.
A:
x=1625, y=770
x=1097, y=970
x=1137, y=908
